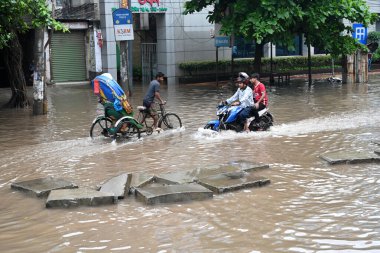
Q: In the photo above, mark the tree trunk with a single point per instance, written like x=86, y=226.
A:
x=17, y=82
x=258, y=55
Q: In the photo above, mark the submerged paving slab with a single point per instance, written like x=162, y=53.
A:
x=249, y=166
x=226, y=183
x=67, y=198
x=41, y=187
x=118, y=185
x=189, y=176
x=172, y=193
x=141, y=179
x=349, y=157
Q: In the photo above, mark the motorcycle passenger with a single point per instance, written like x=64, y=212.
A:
x=260, y=97
x=243, y=97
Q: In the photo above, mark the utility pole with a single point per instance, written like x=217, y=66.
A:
x=124, y=58
x=39, y=84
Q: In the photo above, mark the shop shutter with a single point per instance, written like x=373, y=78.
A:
x=68, y=58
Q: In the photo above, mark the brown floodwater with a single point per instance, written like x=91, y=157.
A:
x=309, y=206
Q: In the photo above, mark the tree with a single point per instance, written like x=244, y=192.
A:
x=16, y=17
x=279, y=21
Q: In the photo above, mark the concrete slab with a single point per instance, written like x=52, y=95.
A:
x=172, y=193
x=141, y=179
x=349, y=157
x=189, y=176
x=150, y=181
x=67, y=198
x=41, y=187
x=224, y=183
x=118, y=185
x=249, y=166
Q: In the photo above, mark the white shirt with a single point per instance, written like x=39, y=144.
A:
x=245, y=97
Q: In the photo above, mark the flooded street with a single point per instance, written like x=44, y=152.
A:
x=309, y=206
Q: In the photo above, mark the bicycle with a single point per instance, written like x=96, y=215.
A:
x=165, y=120
x=125, y=127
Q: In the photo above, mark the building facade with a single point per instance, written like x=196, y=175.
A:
x=163, y=38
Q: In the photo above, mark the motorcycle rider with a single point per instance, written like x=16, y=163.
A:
x=243, y=97
x=260, y=96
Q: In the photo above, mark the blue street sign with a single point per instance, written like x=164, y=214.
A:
x=360, y=33
x=122, y=17
x=222, y=41
x=122, y=23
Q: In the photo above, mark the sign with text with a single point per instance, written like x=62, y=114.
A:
x=148, y=6
x=123, y=24
x=222, y=41
x=360, y=33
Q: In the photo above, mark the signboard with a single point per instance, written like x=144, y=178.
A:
x=148, y=6
x=360, y=33
x=222, y=41
x=124, y=4
x=123, y=25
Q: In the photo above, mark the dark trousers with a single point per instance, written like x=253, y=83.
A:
x=255, y=112
x=245, y=114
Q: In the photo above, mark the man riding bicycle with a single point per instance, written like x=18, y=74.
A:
x=152, y=93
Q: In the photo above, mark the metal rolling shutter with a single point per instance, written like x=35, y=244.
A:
x=68, y=58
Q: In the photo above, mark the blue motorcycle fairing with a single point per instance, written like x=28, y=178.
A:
x=214, y=124
x=234, y=111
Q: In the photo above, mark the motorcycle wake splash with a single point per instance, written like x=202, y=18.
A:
x=334, y=122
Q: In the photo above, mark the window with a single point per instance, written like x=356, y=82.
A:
x=243, y=48
x=284, y=51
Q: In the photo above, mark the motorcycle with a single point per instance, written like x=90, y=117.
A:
x=228, y=115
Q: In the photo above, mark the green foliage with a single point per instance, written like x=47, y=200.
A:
x=279, y=64
x=278, y=21
x=137, y=72
x=373, y=37
x=23, y=15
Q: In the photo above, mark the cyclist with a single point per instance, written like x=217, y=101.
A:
x=154, y=93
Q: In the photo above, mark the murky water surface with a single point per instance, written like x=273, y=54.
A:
x=310, y=206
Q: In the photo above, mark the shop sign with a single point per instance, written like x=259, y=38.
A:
x=148, y=6
x=123, y=25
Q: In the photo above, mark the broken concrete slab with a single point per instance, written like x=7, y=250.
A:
x=172, y=193
x=67, y=198
x=141, y=179
x=189, y=176
x=118, y=185
x=349, y=157
x=41, y=187
x=145, y=180
x=222, y=183
x=249, y=166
